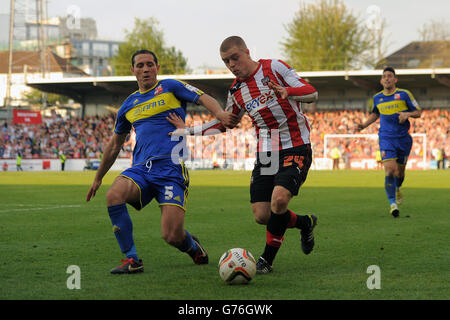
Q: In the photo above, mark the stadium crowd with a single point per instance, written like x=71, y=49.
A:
x=78, y=138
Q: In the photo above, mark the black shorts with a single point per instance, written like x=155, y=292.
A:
x=291, y=173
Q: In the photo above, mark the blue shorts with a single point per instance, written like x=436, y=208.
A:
x=161, y=179
x=395, y=149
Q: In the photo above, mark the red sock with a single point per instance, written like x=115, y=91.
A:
x=292, y=220
x=273, y=240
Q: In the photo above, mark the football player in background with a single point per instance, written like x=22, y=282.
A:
x=393, y=106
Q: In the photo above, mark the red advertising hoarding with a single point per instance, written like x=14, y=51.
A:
x=27, y=117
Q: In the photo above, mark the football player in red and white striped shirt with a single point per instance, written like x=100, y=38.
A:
x=271, y=93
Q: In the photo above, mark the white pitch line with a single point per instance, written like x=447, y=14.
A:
x=47, y=208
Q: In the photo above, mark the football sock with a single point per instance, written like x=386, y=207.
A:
x=188, y=245
x=298, y=221
x=390, y=187
x=132, y=253
x=123, y=229
x=399, y=181
x=276, y=227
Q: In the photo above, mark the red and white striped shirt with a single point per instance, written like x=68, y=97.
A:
x=279, y=123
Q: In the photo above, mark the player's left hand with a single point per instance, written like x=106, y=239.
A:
x=402, y=117
x=176, y=120
x=279, y=90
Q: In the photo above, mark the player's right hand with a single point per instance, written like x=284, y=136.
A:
x=359, y=127
x=91, y=193
x=228, y=119
x=279, y=90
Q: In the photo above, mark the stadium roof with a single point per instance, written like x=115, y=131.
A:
x=217, y=85
x=419, y=54
x=29, y=62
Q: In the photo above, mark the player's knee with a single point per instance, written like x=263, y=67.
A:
x=113, y=197
x=279, y=203
x=390, y=171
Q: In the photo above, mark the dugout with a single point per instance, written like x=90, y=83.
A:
x=337, y=89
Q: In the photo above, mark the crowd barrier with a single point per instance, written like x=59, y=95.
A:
x=414, y=163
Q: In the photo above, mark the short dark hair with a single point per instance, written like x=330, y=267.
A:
x=389, y=69
x=233, y=41
x=143, y=51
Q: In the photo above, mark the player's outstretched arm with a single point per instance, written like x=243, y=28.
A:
x=228, y=119
x=110, y=154
x=372, y=118
x=206, y=129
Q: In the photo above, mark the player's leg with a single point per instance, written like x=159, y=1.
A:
x=276, y=227
x=172, y=185
x=261, y=212
x=403, y=150
x=399, y=181
x=291, y=175
x=389, y=158
x=124, y=191
x=391, y=172
x=173, y=232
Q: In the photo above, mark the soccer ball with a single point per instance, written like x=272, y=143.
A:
x=237, y=266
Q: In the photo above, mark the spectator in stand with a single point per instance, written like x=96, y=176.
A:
x=81, y=138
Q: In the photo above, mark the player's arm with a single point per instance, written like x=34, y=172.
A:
x=414, y=110
x=228, y=119
x=185, y=91
x=210, y=128
x=305, y=93
x=371, y=119
x=403, y=116
x=294, y=87
x=110, y=154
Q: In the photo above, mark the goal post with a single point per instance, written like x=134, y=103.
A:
x=327, y=138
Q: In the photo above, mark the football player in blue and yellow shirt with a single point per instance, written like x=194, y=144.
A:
x=393, y=106
x=157, y=170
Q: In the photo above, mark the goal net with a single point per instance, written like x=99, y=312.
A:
x=359, y=151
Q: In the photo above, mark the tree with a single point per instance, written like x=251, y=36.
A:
x=146, y=35
x=34, y=96
x=326, y=36
x=435, y=30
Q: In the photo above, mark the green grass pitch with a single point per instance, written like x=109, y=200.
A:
x=46, y=226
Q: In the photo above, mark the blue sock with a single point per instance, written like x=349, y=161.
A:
x=399, y=181
x=188, y=245
x=390, y=186
x=123, y=229
x=132, y=253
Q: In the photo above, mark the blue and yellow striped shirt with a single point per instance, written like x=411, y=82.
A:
x=147, y=112
x=388, y=106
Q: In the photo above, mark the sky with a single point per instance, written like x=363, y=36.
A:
x=197, y=27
